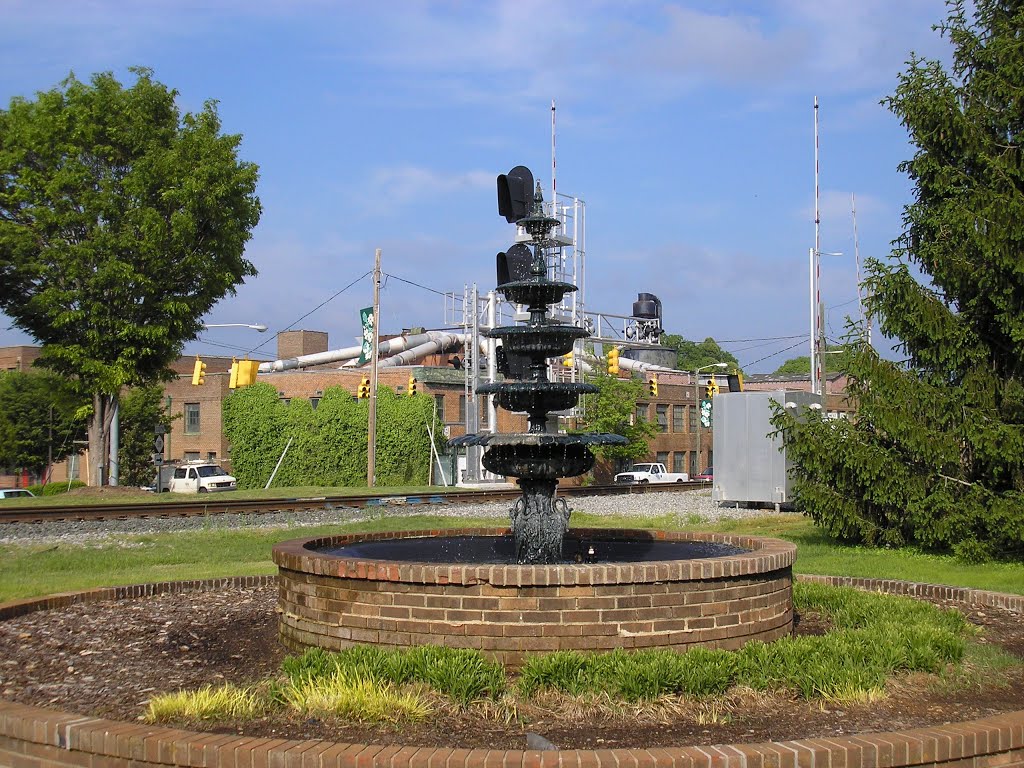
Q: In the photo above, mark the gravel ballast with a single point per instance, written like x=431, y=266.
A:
x=689, y=507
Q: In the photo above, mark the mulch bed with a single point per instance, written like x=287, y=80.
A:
x=107, y=659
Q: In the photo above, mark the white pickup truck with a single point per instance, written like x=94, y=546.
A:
x=650, y=473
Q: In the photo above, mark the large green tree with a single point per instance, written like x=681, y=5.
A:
x=691, y=355
x=936, y=454
x=612, y=409
x=122, y=222
x=41, y=417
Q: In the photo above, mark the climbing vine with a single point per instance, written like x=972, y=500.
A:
x=329, y=444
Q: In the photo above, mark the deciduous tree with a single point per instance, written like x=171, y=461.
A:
x=122, y=222
x=41, y=416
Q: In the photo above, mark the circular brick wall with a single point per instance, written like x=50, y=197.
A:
x=507, y=611
x=44, y=738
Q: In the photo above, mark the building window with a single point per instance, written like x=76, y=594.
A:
x=211, y=455
x=677, y=420
x=661, y=413
x=662, y=457
x=693, y=463
x=462, y=409
x=692, y=417
x=315, y=402
x=439, y=407
x=641, y=412
x=286, y=400
x=192, y=419
x=190, y=456
x=711, y=458
x=679, y=461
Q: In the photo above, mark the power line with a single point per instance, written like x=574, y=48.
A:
x=314, y=309
x=755, y=362
x=415, y=285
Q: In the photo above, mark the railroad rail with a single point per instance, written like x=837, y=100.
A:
x=205, y=504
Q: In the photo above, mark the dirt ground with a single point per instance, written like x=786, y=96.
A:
x=107, y=659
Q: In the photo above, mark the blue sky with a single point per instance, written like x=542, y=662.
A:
x=687, y=127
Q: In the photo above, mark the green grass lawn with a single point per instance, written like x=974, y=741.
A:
x=138, y=496
x=32, y=570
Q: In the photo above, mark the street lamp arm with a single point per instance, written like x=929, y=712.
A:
x=259, y=327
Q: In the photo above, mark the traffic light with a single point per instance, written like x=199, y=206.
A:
x=652, y=386
x=613, y=361
x=413, y=386
x=243, y=373
x=711, y=390
x=247, y=370
x=568, y=360
x=198, y=373
x=364, y=388
x=735, y=382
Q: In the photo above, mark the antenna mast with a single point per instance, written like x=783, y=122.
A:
x=815, y=268
x=856, y=254
x=554, y=186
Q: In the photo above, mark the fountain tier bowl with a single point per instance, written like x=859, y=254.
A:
x=371, y=596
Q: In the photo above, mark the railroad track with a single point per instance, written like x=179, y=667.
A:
x=205, y=504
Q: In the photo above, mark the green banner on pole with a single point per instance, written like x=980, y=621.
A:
x=366, y=315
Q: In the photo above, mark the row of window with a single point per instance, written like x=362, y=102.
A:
x=682, y=461
x=684, y=417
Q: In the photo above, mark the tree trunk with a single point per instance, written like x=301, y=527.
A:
x=99, y=437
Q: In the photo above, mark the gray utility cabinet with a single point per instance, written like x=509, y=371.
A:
x=749, y=467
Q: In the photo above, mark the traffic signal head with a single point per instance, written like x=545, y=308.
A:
x=233, y=380
x=736, y=382
x=247, y=370
x=652, y=386
x=364, y=388
x=711, y=390
x=568, y=360
x=413, y=386
x=198, y=373
x=613, y=361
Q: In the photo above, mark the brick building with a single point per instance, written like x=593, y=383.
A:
x=197, y=433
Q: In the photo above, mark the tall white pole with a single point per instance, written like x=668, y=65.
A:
x=554, y=186
x=492, y=361
x=816, y=342
x=856, y=254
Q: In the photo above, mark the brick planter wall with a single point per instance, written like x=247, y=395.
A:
x=507, y=611
x=32, y=737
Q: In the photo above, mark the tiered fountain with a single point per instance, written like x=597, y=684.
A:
x=538, y=457
x=535, y=586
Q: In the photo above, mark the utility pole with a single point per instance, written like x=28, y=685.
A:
x=371, y=441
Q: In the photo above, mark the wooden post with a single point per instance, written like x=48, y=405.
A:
x=371, y=439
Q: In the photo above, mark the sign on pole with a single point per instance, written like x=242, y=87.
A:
x=366, y=316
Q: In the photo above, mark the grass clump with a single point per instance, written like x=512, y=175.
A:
x=876, y=636
x=461, y=674
x=349, y=695
x=226, y=702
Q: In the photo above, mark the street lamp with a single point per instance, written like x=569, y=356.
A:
x=259, y=327
x=696, y=399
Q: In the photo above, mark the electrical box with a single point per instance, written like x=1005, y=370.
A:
x=750, y=468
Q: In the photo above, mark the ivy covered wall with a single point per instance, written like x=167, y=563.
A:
x=329, y=444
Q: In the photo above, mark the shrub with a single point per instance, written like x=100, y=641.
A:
x=52, y=489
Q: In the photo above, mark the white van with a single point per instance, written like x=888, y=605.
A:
x=201, y=477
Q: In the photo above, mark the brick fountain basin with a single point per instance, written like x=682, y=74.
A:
x=674, y=590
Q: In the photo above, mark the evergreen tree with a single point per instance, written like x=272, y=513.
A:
x=936, y=454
